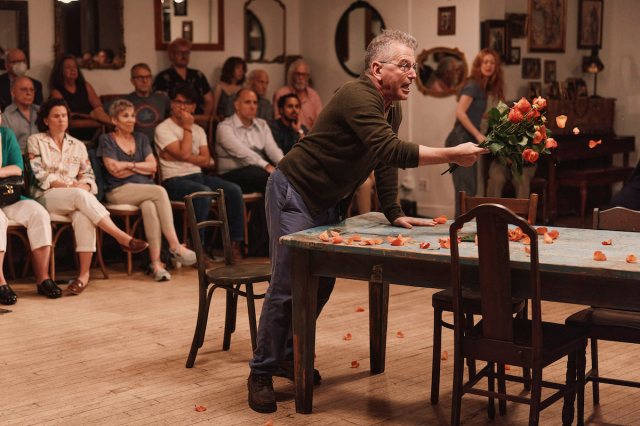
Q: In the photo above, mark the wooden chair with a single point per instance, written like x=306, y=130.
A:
x=442, y=301
x=501, y=339
x=609, y=324
x=229, y=277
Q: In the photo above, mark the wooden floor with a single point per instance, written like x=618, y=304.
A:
x=116, y=355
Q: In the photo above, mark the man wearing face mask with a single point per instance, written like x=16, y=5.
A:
x=16, y=65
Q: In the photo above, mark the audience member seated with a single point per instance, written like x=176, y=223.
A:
x=68, y=83
x=183, y=151
x=21, y=115
x=499, y=174
x=629, y=195
x=258, y=81
x=246, y=151
x=298, y=83
x=231, y=80
x=65, y=184
x=179, y=74
x=32, y=216
x=130, y=163
x=286, y=130
x=16, y=66
x=151, y=107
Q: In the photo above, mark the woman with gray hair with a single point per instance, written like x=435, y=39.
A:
x=130, y=163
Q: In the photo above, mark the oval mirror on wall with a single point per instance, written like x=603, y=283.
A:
x=264, y=31
x=441, y=71
x=357, y=26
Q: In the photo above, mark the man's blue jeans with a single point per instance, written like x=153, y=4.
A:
x=179, y=187
x=286, y=213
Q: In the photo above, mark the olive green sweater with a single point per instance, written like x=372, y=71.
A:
x=350, y=138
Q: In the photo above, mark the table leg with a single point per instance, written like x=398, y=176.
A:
x=378, y=312
x=305, y=299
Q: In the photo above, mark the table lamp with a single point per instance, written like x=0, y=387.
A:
x=593, y=65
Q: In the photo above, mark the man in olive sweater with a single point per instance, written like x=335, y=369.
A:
x=356, y=133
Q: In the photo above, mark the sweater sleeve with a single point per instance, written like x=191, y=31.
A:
x=11, y=155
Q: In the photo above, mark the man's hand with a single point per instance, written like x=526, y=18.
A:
x=187, y=119
x=468, y=153
x=409, y=222
x=269, y=168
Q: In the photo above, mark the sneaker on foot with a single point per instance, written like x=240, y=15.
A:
x=184, y=256
x=262, y=397
x=159, y=273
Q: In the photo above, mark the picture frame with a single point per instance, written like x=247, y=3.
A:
x=447, y=20
x=550, y=71
x=494, y=36
x=187, y=30
x=547, y=25
x=517, y=25
x=531, y=68
x=590, y=14
x=180, y=9
x=513, y=58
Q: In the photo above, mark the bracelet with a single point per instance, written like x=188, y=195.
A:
x=188, y=130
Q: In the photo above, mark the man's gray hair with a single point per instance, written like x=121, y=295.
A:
x=380, y=47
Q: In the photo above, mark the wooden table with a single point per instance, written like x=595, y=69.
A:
x=567, y=269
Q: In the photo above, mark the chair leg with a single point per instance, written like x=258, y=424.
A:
x=583, y=201
x=471, y=363
x=536, y=392
x=502, y=389
x=580, y=367
x=127, y=230
x=491, y=408
x=103, y=268
x=251, y=307
x=526, y=373
x=437, y=350
x=201, y=323
x=229, y=319
x=594, y=371
x=570, y=390
x=458, y=372
x=9, y=251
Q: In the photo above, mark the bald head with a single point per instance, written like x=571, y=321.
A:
x=15, y=62
x=258, y=81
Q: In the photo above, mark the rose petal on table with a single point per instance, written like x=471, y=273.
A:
x=599, y=256
x=441, y=219
x=593, y=144
x=561, y=121
x=359, y=309
x=631, y=258
x=355, y=364
x=541, y=230
x=526, y=240
x=607, y=243
x=334, y=233
x=200, y=408
x=444, y=355
x=324, y=237
x=425, y=245
x=400, y=335
x=444, y=243
x=337, y=239
x=397, y=242
x=576, y=131
x=347, y=336
x=527, y=249
x=507, y=367
x=554, y=234
x=548, y=239
x=355, y=237
x=377, y=241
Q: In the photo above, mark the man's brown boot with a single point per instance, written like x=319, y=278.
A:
x=262, y=397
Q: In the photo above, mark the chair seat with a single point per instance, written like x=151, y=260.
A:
x=123, y=207
x=245, y=273
x=470, y=304
x=608, y=324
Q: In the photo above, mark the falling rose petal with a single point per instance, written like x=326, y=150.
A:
x=200, y=408
x=593, y=144
x=441, y=219
x=324, y=237
x=554, y=234
x=607, y=243
x=359, y=309
x=355, y=364
x=561, y=121
x=444, y=356
x=599, y=256
x=425, y=245
x=548, y=239
x=576, y=131
x=541, y=230
x=347, y=336
x=337, y=239
x=400, y=335
x=631, y=258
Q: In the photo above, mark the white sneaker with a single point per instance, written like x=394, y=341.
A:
x=160, y=274
x=185, y=256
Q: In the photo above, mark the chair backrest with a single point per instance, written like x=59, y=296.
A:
x=215, y=197
x=525, y=207
x=617, y=219
x=494, y=276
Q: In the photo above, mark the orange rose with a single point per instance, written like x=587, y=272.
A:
x=530, y=155
x=523, y=105
x=551, y=143
x=515, y=115
x=537, y=137
x=539, y=102
x=561, y=121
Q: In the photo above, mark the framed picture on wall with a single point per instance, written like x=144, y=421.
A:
x=187, y=30
x=513, y=58
x=547, y=25
x=180, y=8
x=590, y=24
x=531, y=68
x=494, y=36
x=517, y=25
x=447, y=20
x=550, y=74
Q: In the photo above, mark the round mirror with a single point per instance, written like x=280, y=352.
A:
x=264, y=31
x=441, y=71
x=358, y=25
x=255, y=37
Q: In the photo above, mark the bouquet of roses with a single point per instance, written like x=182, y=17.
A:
x=518, y=134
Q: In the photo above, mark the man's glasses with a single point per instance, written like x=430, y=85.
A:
x=405, y=67
x=181, y=102
x=142, y=77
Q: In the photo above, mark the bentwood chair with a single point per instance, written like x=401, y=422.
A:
x=229, y=277
x=442, y=301
x=501, y=339
x=615, y=325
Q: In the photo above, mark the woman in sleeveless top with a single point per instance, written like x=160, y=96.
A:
x=231, y=80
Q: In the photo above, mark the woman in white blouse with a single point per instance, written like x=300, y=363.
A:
x=65, y=185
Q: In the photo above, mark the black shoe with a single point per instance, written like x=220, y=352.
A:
x=49, y=288
x=286, y=371
x=7, y=296
x=262, y=397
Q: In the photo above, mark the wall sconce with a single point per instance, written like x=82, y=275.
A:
x=67, y=1
x=593, y=65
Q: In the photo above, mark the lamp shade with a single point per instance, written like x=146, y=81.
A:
x=592, y=64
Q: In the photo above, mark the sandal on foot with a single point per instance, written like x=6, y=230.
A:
x=76, y=287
